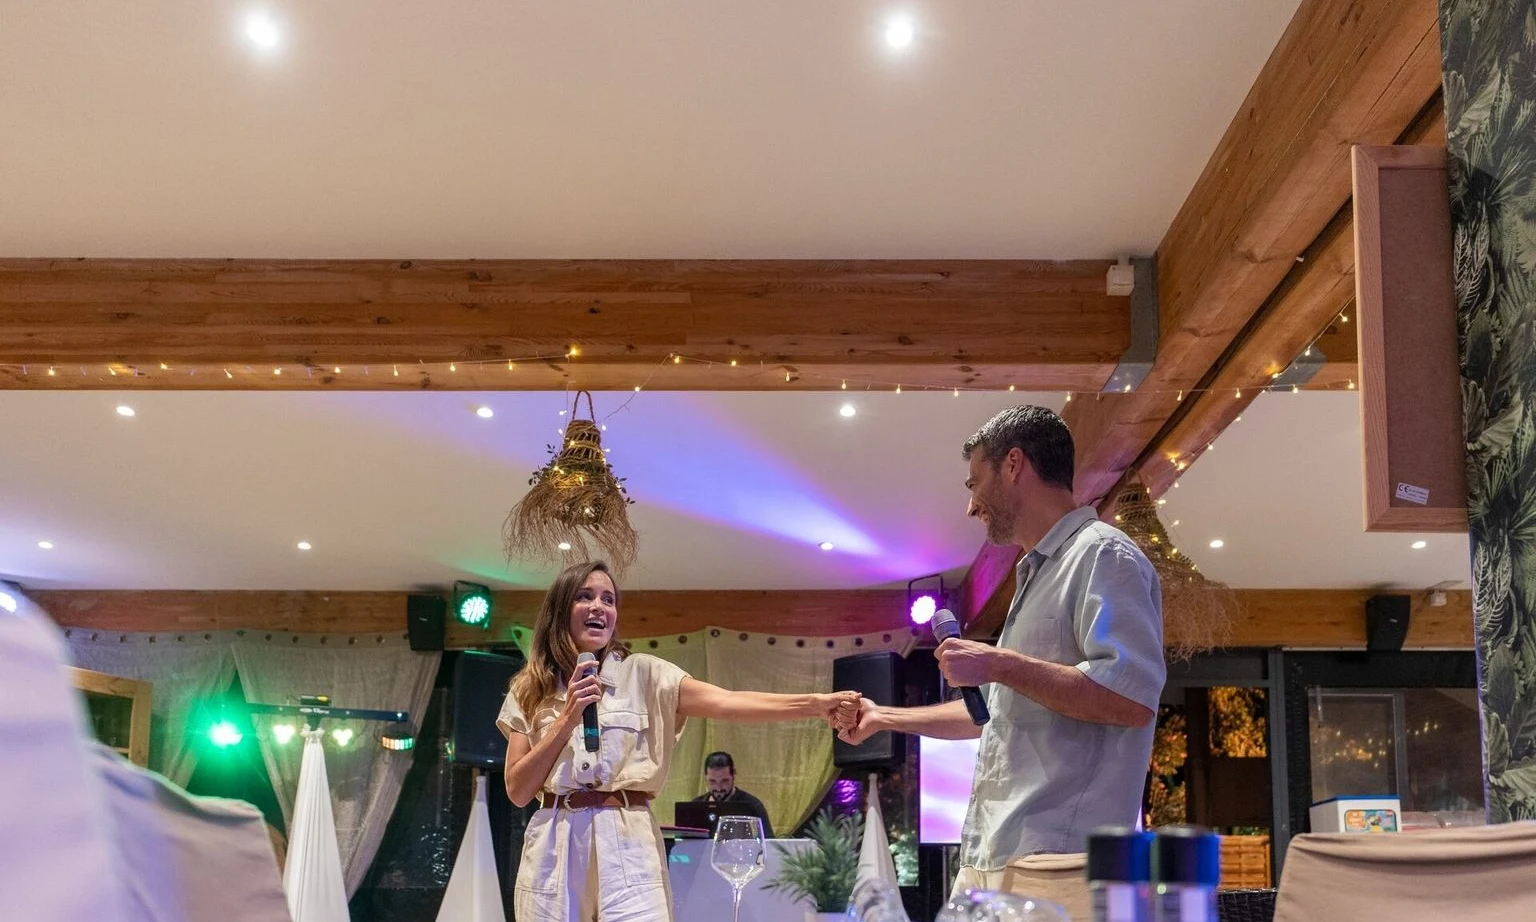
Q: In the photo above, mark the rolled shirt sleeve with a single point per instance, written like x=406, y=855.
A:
x=1119, y=623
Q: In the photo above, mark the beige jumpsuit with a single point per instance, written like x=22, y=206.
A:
x=606, y=864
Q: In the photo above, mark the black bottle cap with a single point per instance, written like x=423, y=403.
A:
x=1186, y=855
x=1119, y=853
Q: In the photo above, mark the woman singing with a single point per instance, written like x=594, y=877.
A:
x=593, y=850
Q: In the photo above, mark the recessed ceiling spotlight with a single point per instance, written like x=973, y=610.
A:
x=304, y=545
x=1419, y=545
x=847, y=410
x=826, y=545
x=262, y=30
x=899, y=32
x=45, y=545
x=1218, y=543
x=485, y=412
x=124, y=410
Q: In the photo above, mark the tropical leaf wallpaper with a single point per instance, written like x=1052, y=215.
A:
x=1489, y=56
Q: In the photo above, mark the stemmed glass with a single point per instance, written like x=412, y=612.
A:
x=738, y=854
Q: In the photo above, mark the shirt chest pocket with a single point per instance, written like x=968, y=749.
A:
x=622, y=738
x=1041, y=638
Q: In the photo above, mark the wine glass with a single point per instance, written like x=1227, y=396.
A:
x=738, y=854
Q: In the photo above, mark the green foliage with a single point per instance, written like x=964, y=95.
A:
x=1490, y=108
x=823, y=875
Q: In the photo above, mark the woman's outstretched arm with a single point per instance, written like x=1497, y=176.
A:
x=701, y=699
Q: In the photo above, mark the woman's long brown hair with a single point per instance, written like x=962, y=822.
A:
x=552, y=656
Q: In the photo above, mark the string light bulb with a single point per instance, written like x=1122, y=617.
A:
x=898, y=388
x=1011, y=389
x=51, y=372
x=337, y=369
x=164, y=367
x=277, y=371
x=226, y=373
x=397, y=370
x=733, y=363
x=677, y=360
x=1351, y=383
x=573, y=352
x=453, y=366
x=957, y=392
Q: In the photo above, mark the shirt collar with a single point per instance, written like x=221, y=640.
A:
x=1065, y=527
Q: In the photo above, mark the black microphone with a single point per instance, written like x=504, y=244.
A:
x=588, y=716
x=945, y=626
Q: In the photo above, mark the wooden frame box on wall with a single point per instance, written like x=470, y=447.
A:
x=1410, y=384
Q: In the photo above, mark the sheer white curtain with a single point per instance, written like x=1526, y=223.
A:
x=374, y=671
x=187, y=670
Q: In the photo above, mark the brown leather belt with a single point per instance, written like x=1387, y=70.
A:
x=586, y=800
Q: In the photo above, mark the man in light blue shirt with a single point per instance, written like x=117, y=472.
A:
x=1074, y=680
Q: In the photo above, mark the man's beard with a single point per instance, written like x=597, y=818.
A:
x=1000, y=526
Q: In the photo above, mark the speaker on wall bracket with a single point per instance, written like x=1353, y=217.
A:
x=1386, y=621
x=424, y=621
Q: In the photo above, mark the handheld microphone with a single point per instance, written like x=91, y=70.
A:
x=588, y=716
x=945, y=626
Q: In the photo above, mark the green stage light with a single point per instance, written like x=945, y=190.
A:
x=342, y=736
x=225, y=734
x=282, y=734
x=472, y=604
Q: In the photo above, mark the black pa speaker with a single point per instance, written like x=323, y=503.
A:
x=480, y=682
x=877, y=676
x=1386, y=622
x=424, y=617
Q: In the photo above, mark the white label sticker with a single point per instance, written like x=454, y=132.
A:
x=1413, y=494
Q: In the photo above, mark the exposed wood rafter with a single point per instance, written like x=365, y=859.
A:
x=227, y=324
x=1302, y=617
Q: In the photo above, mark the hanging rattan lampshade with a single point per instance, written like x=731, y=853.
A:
x=574, y=500
x=1197, y=612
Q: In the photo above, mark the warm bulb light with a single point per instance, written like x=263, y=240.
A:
x=305, y=545
x=124, y=410
x=1419, y=545
x=564, y=545
x=1217, y=544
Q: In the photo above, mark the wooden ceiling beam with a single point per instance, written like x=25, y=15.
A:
x=1345, y=72
x=645, y=613
x=1317, y=294
x=1300, y=617
x=393, y=325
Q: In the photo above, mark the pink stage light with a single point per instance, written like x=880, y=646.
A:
x=923, y=608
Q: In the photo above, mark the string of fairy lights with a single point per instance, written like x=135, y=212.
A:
x=243, y=374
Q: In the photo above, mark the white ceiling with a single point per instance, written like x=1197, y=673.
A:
x=671, y=129
x=734, y=490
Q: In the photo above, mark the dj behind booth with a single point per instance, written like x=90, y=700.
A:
x=724, y=797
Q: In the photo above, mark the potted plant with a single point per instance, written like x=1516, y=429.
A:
x=823, y=876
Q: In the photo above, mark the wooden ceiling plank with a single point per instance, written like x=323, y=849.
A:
x=962, y=323
x=1345, y=72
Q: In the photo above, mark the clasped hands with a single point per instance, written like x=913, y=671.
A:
x=962, y=662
